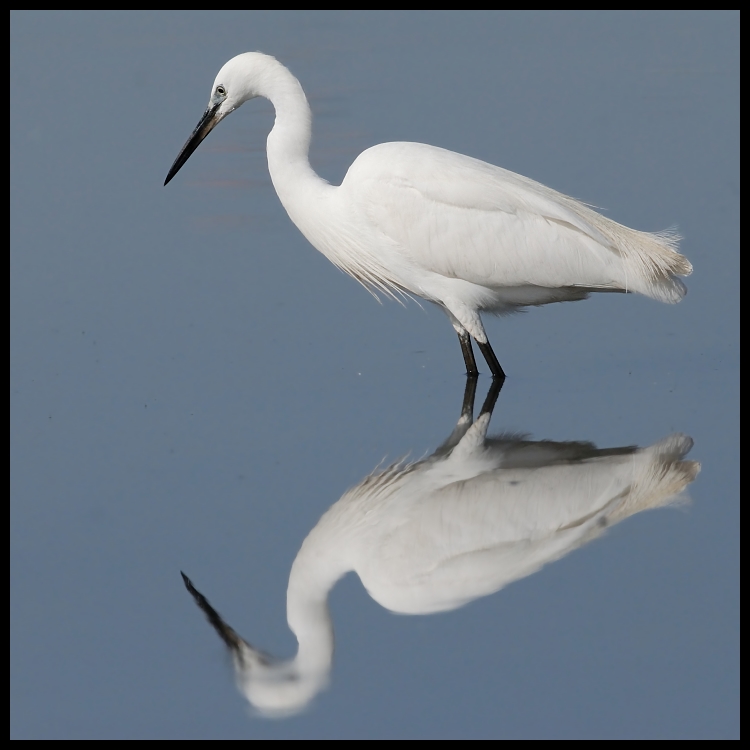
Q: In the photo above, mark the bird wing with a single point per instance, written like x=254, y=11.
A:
x=463, y=218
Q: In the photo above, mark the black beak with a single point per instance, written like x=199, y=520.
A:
x=227, y=634
x=208, y=122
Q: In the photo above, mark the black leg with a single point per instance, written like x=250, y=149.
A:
x=489, y=355
x=466, y=419
x=468, y=352
x=489, y=403
x=470, y=391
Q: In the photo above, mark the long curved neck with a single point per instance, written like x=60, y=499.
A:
x=316, y=569
x=288, y=142
x=286, y=687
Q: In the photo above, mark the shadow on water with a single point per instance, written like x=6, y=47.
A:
x=432, y=535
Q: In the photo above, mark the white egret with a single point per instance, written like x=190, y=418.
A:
x=414, y=219
x=433, y=535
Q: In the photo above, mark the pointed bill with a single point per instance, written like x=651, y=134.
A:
x=211, y=118
x=228, y=635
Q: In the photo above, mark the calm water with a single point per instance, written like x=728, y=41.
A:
x=193, y=386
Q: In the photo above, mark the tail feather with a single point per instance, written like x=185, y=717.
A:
x=651, y=259
x=655, y=260
x=662, y=476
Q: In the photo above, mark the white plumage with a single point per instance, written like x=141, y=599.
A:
x=414, y=219
x=435, y=534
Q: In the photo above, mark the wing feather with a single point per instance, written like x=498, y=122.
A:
x=463, y=218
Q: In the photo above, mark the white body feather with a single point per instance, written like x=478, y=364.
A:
x=433, y=535
x=415, y=219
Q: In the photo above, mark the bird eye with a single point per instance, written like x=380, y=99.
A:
x=221, y=91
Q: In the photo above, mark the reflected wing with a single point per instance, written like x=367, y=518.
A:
x=470, y=537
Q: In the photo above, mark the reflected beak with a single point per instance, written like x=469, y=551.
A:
x=207, y=123
x=231, y=639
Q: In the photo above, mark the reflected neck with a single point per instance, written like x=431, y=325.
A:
x=316, y=569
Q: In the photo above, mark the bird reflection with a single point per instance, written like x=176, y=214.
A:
x=434, y=534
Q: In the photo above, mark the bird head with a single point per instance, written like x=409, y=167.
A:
x=240, y=80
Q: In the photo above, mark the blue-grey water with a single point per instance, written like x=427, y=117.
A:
x=193, y=385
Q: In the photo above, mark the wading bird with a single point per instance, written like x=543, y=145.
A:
x=433, y=535
x=414, y=219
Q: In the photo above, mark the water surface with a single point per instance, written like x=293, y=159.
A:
x=193, y=386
